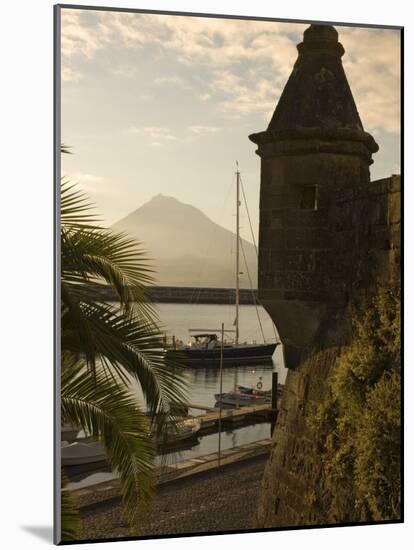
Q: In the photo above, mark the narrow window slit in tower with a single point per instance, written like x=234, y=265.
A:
x=308, y=197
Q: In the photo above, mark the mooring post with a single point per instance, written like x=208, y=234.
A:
x=221, y=391
x=274, y=401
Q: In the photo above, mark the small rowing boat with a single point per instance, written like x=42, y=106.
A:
x=246, y=396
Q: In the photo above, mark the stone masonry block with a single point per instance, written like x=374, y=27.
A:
x=305, y=218
x=293, y=260
x=394, y=208
x=308, y=237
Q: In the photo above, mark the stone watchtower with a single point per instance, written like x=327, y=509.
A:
x=314, y=148
x=327, y=237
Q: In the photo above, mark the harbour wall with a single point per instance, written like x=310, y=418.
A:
x=187, y=295
x=367, y=253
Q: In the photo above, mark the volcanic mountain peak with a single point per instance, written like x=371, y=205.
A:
x=187, y=247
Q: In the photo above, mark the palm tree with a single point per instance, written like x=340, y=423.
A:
x=106, y=346
x=126, y=339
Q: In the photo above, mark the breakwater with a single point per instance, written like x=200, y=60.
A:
x=187, y=295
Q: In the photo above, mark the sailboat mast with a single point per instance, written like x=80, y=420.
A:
x=237, y=251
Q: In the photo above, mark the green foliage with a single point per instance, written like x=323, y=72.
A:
x=359, y=421
x=377, y=463
x=65, y=149
x=70, y=520
x=111, y=413
x=105, y=345
x=126, y=340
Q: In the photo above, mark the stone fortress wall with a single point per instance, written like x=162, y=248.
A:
x=328, y=236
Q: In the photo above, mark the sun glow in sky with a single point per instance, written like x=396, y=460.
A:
x=164, y=104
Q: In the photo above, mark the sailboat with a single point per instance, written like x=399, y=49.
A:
x=205, y=350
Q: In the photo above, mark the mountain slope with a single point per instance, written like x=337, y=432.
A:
x=187, y=248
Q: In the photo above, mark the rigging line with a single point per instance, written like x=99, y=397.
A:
x=252, y=291
x=254, y=242
x=248, y=215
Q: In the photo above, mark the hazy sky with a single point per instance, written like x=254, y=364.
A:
x=164, y=104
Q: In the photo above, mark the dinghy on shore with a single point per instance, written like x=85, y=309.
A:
x=88, y=452
x=68, y=433
x=182, y=430
x=77, y=453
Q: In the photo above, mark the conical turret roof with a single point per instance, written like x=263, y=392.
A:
x=317, y=94
x=316, y=104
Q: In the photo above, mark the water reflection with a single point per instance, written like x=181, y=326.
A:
x=204, y=382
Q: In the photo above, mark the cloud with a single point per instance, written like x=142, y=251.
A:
x=157, y=135
x=172, y=82
x=244, y=63
x=87, y=178
x=241, y=95
x=201, y=130
x=161, y=135
x=124, y=70
x=372, y=65
x=91, y=183
x=80, y=39
x=214, y=42
x=71, y=75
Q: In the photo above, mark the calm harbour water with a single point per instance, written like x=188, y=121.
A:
x=203, y=383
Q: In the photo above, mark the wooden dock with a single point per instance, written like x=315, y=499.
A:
x=209, y=462
x=200, y=407
x=109, y=491
x=211, y=418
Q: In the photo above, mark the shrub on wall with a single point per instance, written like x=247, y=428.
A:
x=359, y=420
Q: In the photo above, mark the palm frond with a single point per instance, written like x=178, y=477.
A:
x=131, y=346
x=70, y=518
x=75, y=207
x=111, y=415
x=113, y=344
x=100, y=255
x=65, y=149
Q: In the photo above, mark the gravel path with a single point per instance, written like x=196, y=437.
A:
x=208, y=502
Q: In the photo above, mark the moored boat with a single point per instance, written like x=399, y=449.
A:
x=206, y=351
x=79, y=453
x=180, y=431
x=68, y=433
x=245, y=396
x=89, y=452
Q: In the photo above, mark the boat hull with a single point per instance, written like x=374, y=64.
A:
x=80, y=454
x=240, y=400
x=186, y=429
x=68, y=433
x=240, y=355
